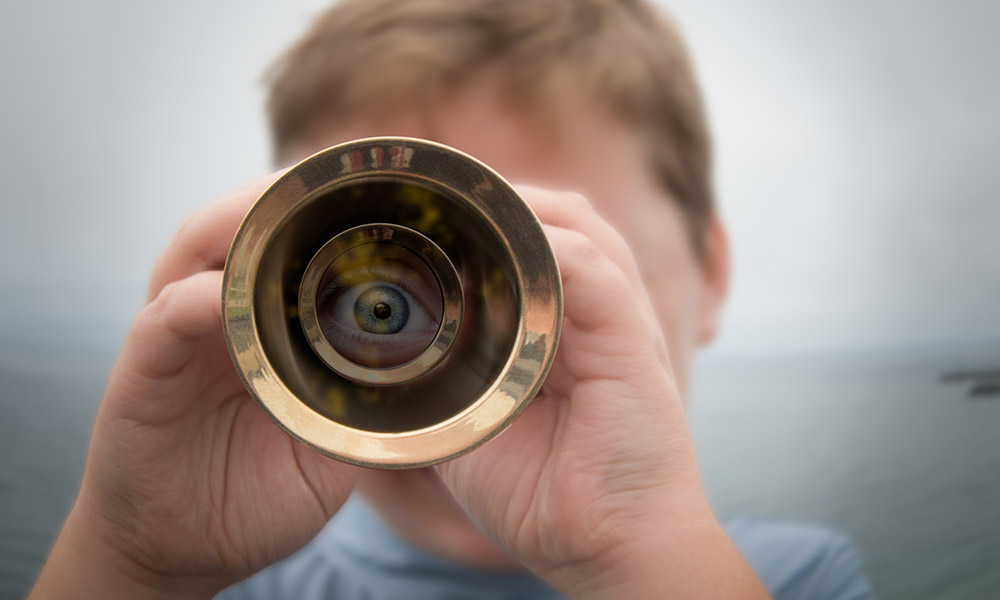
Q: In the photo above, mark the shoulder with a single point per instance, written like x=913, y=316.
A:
x=799, y=560
x=309, y=574
x=324, y=568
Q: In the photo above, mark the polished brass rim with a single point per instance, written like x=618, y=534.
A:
x=448, y=284
x=534, y=274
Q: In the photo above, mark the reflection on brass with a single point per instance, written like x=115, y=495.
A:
x=392, y=302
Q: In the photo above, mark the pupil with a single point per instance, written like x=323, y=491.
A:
x=382, y=310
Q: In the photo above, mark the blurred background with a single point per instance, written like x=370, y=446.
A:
x=856, y=380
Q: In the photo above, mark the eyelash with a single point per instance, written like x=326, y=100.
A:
x=333, y=291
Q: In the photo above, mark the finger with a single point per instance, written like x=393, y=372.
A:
x=573, y=211
x=165, y=335
x=601, y=303
x=570, y=210
x=203, y=241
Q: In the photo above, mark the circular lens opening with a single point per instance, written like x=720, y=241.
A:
x=379, y=305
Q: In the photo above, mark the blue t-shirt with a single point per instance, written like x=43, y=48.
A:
x=356, y=557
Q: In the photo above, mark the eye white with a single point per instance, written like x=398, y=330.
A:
x=343, y=308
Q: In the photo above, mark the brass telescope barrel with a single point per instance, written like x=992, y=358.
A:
x=392, y=302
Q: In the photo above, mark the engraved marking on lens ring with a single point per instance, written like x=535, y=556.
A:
x=447, y=279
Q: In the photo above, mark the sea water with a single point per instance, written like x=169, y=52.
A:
x=873, y=444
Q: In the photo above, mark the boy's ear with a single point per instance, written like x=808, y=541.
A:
x=715, y=280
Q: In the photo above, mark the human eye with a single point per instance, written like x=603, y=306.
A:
x=381, y=314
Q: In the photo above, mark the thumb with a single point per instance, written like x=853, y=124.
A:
x=176, y=345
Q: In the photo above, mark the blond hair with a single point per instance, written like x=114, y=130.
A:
x=362, y=55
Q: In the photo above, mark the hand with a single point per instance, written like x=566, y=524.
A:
x=189, y=486
x=595, y=486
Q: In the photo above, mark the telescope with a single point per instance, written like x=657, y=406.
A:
x=392, y=302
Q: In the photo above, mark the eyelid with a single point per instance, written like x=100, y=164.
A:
x=375, y=272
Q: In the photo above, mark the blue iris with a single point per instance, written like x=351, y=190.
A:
x=381, y=309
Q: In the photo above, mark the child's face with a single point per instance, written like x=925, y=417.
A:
x=600, y=159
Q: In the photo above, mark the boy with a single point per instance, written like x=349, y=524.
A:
x=594, y=491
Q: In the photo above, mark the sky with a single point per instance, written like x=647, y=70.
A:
x=856, y=145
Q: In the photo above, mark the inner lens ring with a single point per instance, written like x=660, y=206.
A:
x=447, y=279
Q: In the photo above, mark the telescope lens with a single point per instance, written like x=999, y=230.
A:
x=392, y=302
x=379, y=305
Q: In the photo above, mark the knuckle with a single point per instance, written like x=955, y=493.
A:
x=188, y=225
x=583, y=262
x=179, y=245
x=576, y=201
x=584, y=248
x=163, y=300
x=153, y=316
x=575, y=197
x=616, y=279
